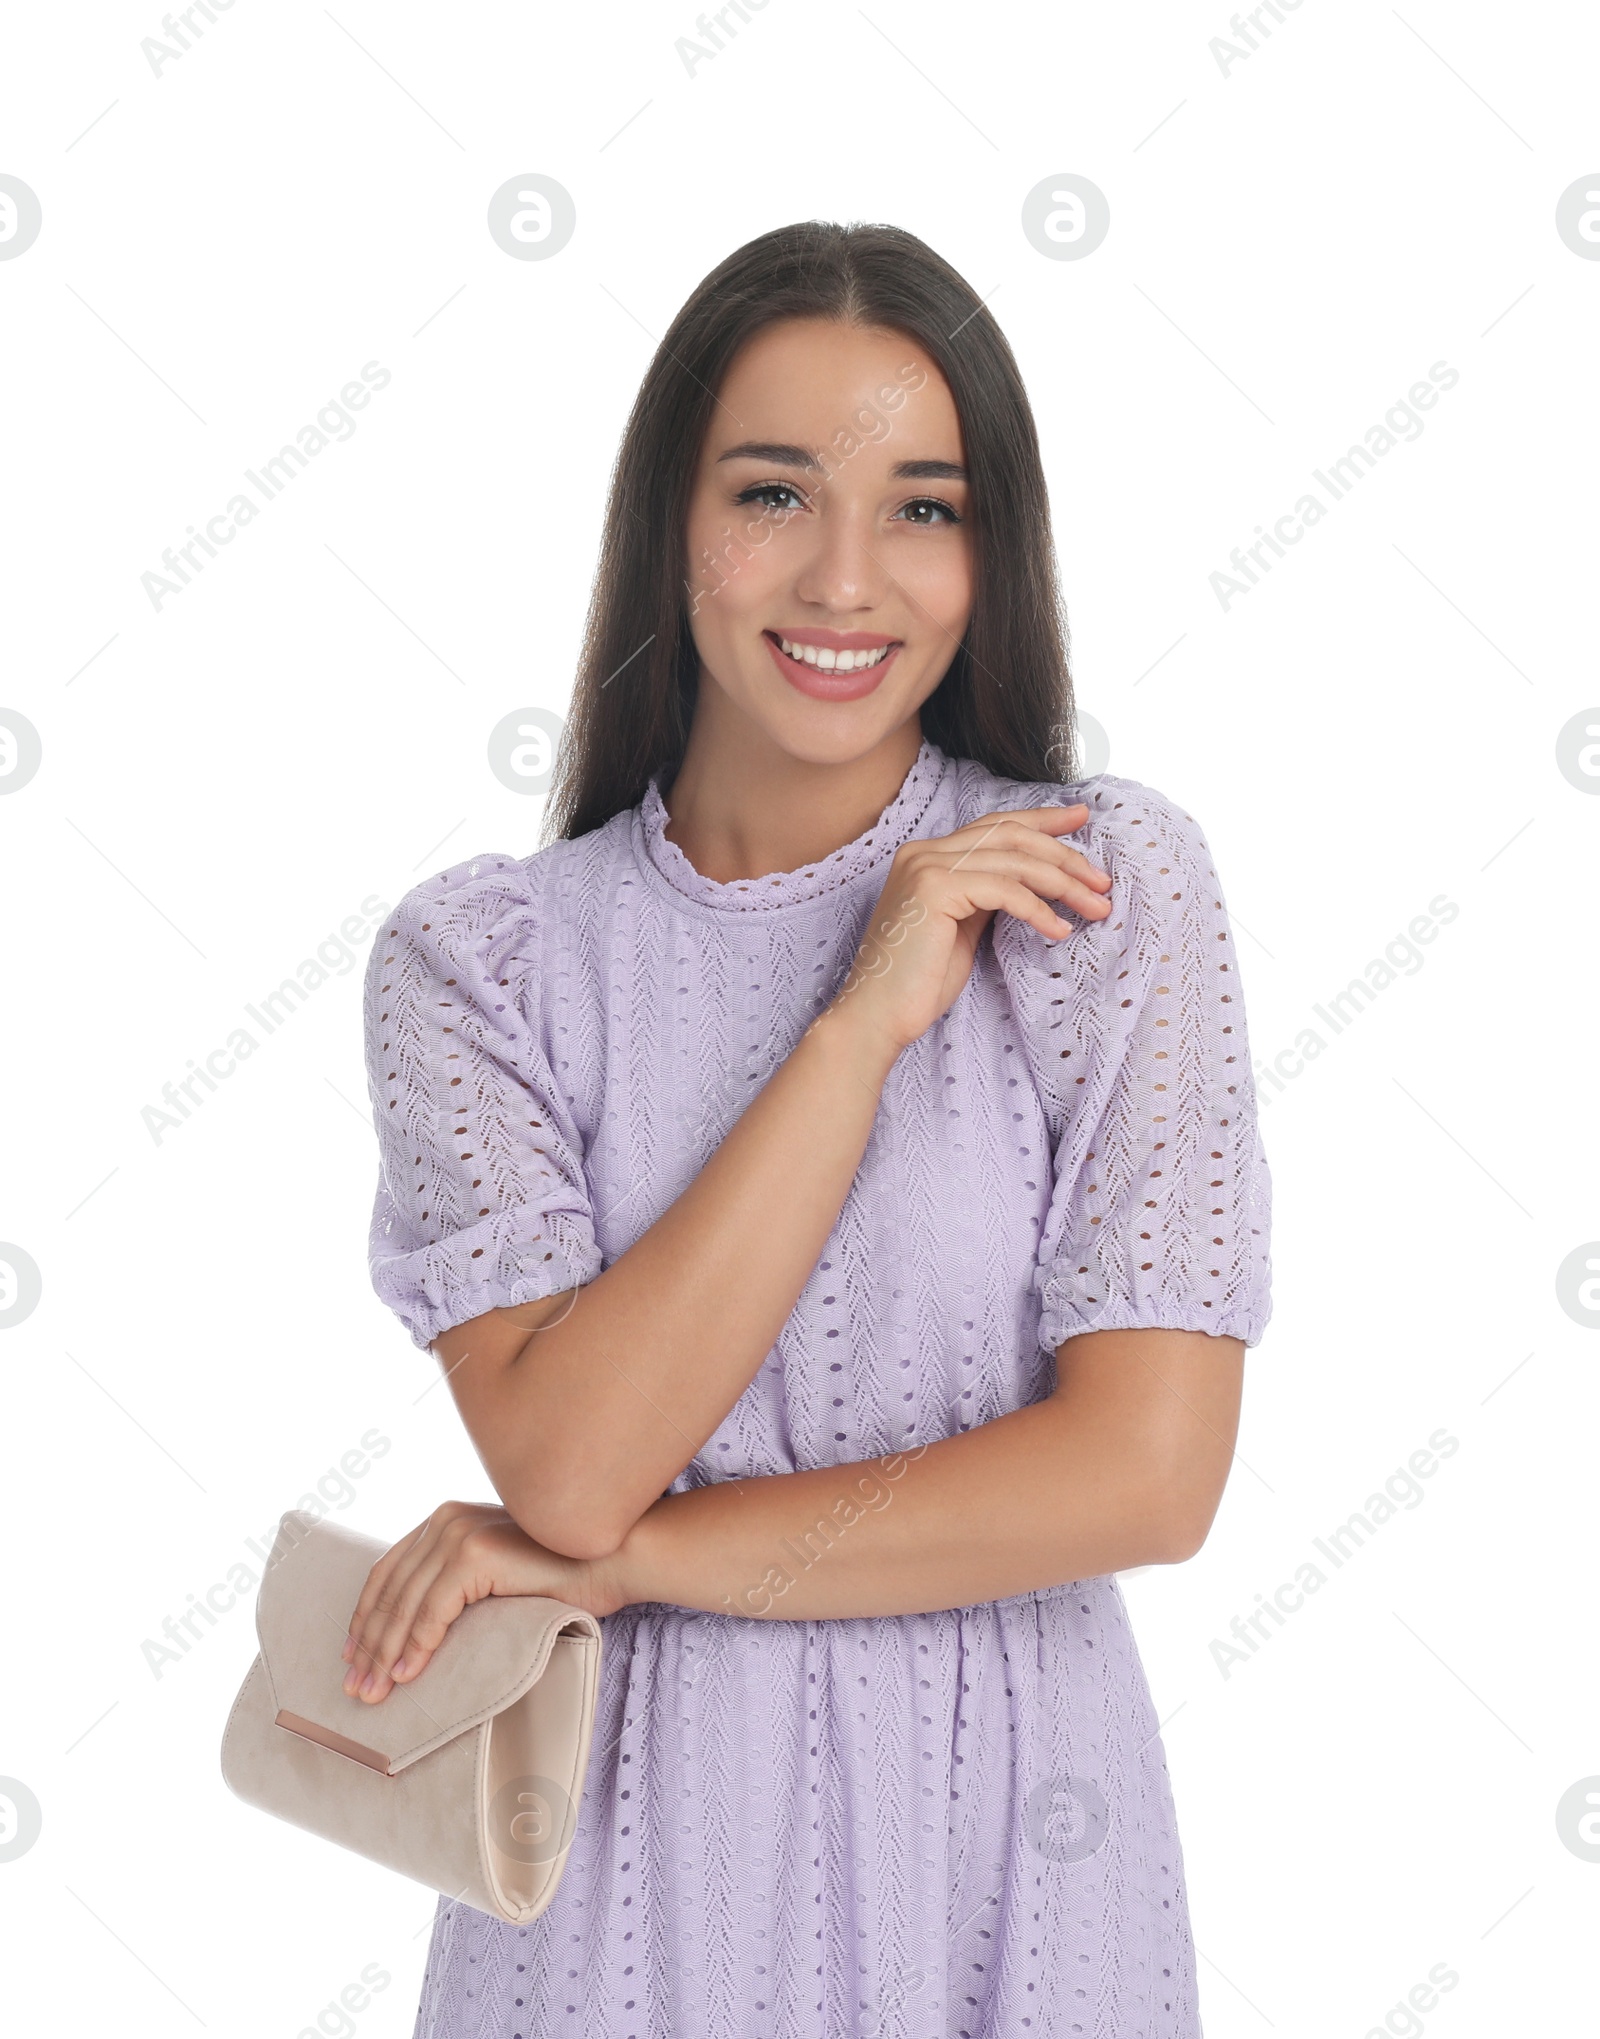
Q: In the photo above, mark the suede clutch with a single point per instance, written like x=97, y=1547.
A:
x=468, y=1779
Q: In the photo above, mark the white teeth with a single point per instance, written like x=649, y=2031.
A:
x=834, y=661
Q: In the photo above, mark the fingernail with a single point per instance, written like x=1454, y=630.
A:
x=369, y=1681
x=399, y=1670
x=349, y=1650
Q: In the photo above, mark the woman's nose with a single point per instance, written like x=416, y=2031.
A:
x=843, y=570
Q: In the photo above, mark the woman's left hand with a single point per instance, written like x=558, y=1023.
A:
x=463, y=1552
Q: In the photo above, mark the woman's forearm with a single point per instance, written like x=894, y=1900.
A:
x=603, y=1409
x=1053, y=1492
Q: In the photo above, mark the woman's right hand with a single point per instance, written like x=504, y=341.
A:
x=465, y=1551
x=942, y=893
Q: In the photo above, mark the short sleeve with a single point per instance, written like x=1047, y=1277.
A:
x=1134, y=1026
x=482, y=1201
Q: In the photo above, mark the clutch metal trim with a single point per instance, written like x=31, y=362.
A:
x=341, y=1745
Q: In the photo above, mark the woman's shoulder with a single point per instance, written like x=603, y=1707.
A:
x=1138, y=824
x=1079, y=998
x=484, y=912
x=497, y=889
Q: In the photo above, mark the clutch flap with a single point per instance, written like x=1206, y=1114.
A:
x=491, y=1654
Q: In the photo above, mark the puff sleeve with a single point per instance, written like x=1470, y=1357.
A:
x=482, y=1201
x=1134, y=1026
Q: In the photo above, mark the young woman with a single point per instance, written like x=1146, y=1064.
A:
x=829, y=1174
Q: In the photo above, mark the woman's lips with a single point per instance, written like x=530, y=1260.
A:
x=823, y=686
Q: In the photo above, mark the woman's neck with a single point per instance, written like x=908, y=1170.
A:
x=741, y=807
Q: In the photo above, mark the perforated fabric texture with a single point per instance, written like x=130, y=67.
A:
x=952, y=1823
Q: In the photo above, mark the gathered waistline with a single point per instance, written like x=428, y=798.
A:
x=1040, y=1593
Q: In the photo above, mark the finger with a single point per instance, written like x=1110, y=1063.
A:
x=1021, y=827
x=408, y=1645
x=1046, y=820
x=1018, y=899
x=460, y=1568
x=1091, y=873
x=385, y=1646
x=973, y=890
x=445, y=1600
x=386, y=1587
x=1063, y=856
x=380, y=1578
x=1055, y=881
x=1051, y=881
x=378, y=1581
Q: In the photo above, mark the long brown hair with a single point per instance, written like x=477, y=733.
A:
x=1006, y=698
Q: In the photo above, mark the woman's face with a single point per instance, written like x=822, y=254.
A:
x=829, y=512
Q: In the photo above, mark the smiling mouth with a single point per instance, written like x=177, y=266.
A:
x=801, y=665
x=823, y=659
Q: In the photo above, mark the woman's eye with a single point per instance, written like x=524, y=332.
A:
x=763, y=489
x=917, y=512
x=930, y=503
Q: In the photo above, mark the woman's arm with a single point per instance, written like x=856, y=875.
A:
x=582, y=1424
x=1123, y=1465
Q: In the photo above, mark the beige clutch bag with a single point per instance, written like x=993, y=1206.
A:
x=468, y=1779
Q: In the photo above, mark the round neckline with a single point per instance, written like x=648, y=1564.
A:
x=777, y=889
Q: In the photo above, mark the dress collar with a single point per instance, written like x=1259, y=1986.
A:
x=894, y=826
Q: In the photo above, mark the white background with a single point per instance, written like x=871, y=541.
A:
x=1293, y=244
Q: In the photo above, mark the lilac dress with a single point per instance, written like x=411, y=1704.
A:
x=954, y=1825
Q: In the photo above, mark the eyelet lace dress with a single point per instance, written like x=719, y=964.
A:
x=956, y=1825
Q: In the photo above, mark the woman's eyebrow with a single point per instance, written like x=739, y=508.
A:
x=783, y=455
